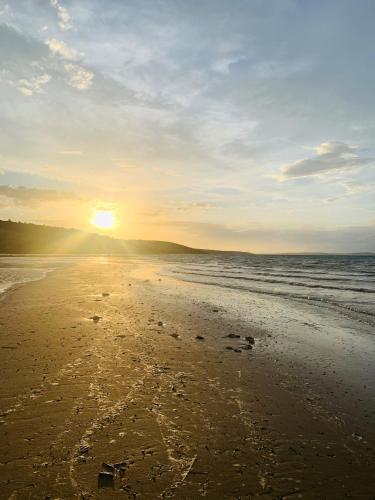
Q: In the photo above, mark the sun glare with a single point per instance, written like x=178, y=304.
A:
x=103, y=219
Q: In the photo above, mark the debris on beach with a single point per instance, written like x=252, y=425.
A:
x=229, y=347
x=105, y=294
x=84, y=448
x=250, y=339
x=215, y=310
x=175, y=335
x=106, y=480
x=199, y=337
x=233, y=336
x=246, y=347
x=95, y=318
x=160, y=323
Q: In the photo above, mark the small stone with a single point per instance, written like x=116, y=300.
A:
x=250, y=339
x=160, y=323
x=237, y=350
x=108, y=467
x=96, y=318
x=215, y=310
x=83, y=449
x=229, y=347
x=106, y=480
x=247, y=347
x=233, y=336
x=175, y=335
x=105, y=294
x=199, y=337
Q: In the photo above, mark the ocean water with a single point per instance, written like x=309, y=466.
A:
x=345, y=283
x=19, y=269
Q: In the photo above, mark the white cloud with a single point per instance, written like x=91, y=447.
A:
x=71, y=152
x=79, y=77
x=65, y=21
x=57, y=47
x=196, y=205
x=5, y=9
x=329, y=156
x=34, y=85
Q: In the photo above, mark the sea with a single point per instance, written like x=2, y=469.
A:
x=344, y=282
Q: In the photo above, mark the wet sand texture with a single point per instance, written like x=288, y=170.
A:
x=110, y=390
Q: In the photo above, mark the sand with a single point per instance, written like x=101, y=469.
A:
x=133, y=405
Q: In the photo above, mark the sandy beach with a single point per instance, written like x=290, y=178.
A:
x=117, y=382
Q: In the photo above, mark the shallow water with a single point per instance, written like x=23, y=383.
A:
x=344, y=282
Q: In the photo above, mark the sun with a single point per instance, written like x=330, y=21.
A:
x=103, y=219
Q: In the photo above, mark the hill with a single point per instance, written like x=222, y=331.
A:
x=24, y=238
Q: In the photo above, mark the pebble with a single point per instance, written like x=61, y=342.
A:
x=95, y=318
x=106, y=480
x=199, y=337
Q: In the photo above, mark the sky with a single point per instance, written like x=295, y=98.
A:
x=227, y=124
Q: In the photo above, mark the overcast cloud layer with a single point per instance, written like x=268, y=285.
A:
x=237, y=124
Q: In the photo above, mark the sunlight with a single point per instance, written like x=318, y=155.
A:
x=103, y=219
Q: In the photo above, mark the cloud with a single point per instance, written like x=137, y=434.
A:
x=71, y=152
x=29, y=197
x=5, y=9
x=196, y=205
x=79, y=77
x=34, y=85
x=65, y=20
x=57, y=47
x=329, y=156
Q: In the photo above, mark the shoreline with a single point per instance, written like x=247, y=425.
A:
x=186, y=417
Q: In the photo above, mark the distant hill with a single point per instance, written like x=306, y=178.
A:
x=23, y=238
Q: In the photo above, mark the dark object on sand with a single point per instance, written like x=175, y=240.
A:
x=233, y=336
x=250, y=339
x=229, y=347
x=215, y=310
x=106, y=480
x=246, y=347
x=199, y=337
x=237, y=350
x=175, y=335
x=96, y=318
x=105, y=294
x=108, y=467
x=160, y=323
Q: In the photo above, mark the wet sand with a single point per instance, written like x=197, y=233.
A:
x=136, y=396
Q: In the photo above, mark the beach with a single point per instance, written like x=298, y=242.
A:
x=119, y=380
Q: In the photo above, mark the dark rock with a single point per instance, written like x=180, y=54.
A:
x=105, y=294
x=108, y=467
x=237, y=350
x=250, y=339
x=175, y=335
x=233, y=336
x=199, y=337
x=246, y=347
x=215, y=310
x=229, y=347
x=160, y=323
x=95, y=318
x=83, y=449
x=106, y=480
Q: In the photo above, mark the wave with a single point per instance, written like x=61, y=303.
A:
x=282, y=282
